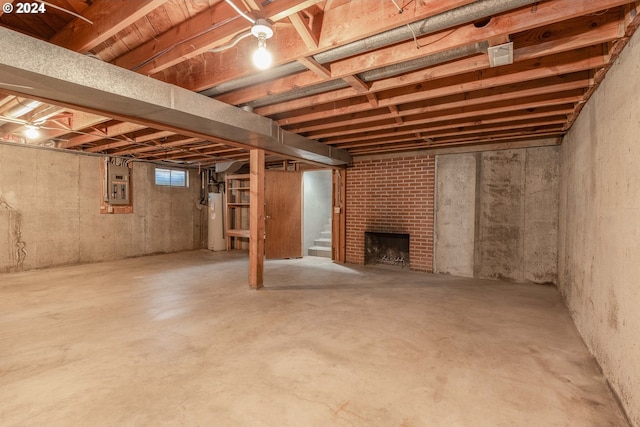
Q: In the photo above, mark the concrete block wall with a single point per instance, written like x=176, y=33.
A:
x=599, y=233
x=50, y=212
x=391, y=195
x=497, y=214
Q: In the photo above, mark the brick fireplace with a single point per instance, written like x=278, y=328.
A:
x=386, y=248
x=392, y=195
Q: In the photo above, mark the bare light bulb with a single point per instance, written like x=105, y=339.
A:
x=32, y=132
x=261, y=57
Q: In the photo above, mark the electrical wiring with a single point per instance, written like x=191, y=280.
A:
x=169, y=48
x=240, y=12
x=233, y=42
x=66, y=11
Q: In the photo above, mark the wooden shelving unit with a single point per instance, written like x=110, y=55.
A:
x=238, y=202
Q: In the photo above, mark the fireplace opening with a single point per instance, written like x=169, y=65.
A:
x=386, y=248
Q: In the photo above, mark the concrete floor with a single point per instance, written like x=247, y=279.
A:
x=181, y=340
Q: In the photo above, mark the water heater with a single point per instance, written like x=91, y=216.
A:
x=216, y=240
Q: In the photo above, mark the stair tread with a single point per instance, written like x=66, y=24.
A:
x=319, y=251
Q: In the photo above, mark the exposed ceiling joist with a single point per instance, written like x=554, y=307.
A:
x=108, y=17
x=513, y=22
x=306, y=30
x=200, y=35
x=365, y=19
x=356, y=74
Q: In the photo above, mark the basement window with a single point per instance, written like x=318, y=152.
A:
x=172, y=177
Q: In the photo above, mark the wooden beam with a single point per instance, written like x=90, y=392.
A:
x=553, y=65
x=455, y=137
x=471, y=133
x=453, y=141
x=181, y=153
x=278, y=86
x=490, y=142
x=356, y=83
x=373, y=99
x=108, y=16
x=129, y=142
x=331, y=4
x=566, y=41
x=445, y=131
x=254, y=5
x=364, y=19
x=6, y=99
x=308, y=36
x=475, y=113
x=80, y=120
x=566, y=63
x=444, y=111
x=573, y=37
x=40, y=114
x=430, y=124
x=97, y=135
x=506, y=144
x=338, y=222
x=162, y=146
x=166, y=50
x=393, y=109
x=523, y=90
x=547, y=115
x=199, y=152
x=511, y=22
x=256, y=219
x=313, y=65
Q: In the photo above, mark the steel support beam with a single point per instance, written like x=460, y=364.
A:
x=40, y=70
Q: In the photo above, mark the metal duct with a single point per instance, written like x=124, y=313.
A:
x=229, y=167
x=425, y=61
x=372, y=75
x=451, y=18
x=254, y=79
x=433, y=24
x=298, y=93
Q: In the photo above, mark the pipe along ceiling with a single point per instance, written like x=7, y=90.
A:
x=461, y=15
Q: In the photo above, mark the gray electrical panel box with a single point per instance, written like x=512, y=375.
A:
x=118, y=185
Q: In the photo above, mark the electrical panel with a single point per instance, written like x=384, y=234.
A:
x=118, y=185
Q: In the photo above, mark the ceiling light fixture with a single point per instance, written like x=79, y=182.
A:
x=31, y=132
x=262, y=30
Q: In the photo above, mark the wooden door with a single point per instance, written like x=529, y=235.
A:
x=283, y=214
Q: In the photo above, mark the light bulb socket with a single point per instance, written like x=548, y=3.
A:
x=262, y=29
